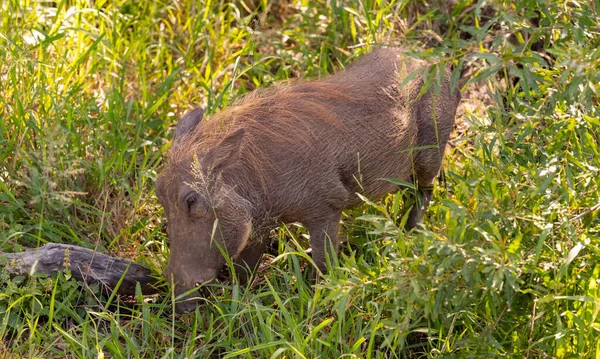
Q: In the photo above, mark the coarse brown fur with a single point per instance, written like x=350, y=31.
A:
x=299, y=152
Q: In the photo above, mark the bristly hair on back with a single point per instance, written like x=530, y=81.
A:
x=278, y=113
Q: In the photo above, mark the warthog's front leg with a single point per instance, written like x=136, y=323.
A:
x=324, y=239
x=247, y=262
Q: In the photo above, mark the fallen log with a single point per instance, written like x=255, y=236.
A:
x=86, y=265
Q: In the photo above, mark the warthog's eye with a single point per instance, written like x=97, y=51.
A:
x=195, y=205
x=191, y=200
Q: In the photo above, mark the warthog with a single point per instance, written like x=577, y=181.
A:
x=299, y=152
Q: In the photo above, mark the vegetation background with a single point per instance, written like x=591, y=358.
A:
x=507, y=263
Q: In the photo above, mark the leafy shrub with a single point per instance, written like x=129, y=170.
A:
x=505, y=264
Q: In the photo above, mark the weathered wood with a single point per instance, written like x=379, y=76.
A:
x=86, y=265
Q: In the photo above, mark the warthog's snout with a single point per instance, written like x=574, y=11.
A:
x=189, y=288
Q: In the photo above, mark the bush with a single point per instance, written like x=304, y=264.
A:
x=506, y=263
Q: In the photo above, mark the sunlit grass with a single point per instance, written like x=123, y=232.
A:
x=506, y=264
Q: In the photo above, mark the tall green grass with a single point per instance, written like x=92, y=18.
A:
x=505, y=265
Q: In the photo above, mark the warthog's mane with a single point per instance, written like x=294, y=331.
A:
x=288, y=113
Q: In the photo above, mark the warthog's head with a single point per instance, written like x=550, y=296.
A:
x=207, y=219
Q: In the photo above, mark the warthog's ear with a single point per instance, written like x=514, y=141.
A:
x=188, y=123
x=225, y=153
